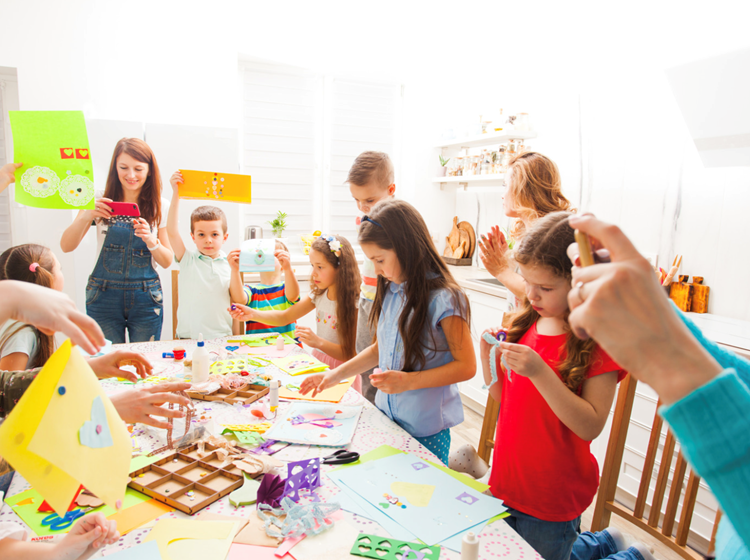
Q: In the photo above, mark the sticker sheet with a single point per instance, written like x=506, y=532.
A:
x=423, y=499
x=54, y=148
x=317, y=424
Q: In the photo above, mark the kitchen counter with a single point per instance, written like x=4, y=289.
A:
x=469, y=278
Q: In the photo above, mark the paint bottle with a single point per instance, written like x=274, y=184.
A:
x=469, y=547
x=200, y=362
x=280, y=343
x=273, y=395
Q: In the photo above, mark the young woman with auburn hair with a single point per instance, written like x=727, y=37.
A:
x=124, y=292
x=534, y=190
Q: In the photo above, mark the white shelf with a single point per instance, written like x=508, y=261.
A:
x=487, y=139
x=495, y=179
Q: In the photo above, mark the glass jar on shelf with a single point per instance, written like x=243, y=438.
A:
x=459, y=166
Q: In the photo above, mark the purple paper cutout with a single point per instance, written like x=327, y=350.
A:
x=467, y=498
x=417, y=554
x=418, y=466
x=307, y=478
x=271, y=490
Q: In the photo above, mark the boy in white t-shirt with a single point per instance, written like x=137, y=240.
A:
x=371, y=180
x=204, y=274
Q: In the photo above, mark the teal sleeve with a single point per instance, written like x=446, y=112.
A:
x=712, y=425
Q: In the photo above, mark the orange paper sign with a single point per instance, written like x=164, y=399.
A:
x=207, y=185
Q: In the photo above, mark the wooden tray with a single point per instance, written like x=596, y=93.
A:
x=458, y=262
x=246, y=394
x=169, y=479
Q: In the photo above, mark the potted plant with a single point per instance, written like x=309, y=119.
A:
x=443, y=163
x=278, y=224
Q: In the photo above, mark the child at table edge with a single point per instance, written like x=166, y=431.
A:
x=423, y=342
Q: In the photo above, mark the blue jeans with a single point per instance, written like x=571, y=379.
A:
x=600, y=545
x=119, y=307
x=553, y=540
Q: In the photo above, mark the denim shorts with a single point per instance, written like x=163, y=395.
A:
x=553, y=540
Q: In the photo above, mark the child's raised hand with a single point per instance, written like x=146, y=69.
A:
x=484, y=346
x=523, y=360
x=493, y=250
x=234, y=259
x=285, y=259
x=307, y=336
x=88, y=535
x=8, y=174
x=390, y=381
x=176, y=180
x=242, y=312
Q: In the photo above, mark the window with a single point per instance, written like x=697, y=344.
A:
x=300, y=133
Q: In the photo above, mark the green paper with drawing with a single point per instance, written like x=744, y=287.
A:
x=54, y=149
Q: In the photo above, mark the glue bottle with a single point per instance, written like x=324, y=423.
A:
x=200, y=362
x=280, y=343
x=469, y=547
x=273, y=395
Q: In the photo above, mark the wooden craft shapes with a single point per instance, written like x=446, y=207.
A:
x=186, y=481
x=245, y=395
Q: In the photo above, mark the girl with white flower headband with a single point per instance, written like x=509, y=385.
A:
x=335, y=278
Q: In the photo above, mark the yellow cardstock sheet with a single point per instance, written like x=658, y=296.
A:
x=40, y=437
x=185, y=539
x=212, y=186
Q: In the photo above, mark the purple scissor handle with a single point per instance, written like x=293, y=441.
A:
x=296, y=420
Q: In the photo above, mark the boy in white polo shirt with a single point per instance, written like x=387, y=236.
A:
x=204, y=274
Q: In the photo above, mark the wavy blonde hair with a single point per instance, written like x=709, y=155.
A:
x=545, y=245
x=535, y=188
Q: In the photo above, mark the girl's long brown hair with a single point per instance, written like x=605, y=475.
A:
x=347, y=291
x=545, y=245
x=535, y=187
x=402, y=229
x=15, y=265
x=149, y=200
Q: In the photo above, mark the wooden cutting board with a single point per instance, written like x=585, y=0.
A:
x=467, y=227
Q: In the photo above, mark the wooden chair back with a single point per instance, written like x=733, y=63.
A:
x=175, y=302
x=489, y=425
x=605, y=500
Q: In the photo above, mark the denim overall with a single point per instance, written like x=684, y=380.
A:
x=124, y=291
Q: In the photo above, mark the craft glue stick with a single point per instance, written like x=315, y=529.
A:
x=469, y=547
x=274, y=395
x=200, y=362
x=280, y=343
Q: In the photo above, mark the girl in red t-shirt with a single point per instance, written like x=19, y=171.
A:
x=555, y=393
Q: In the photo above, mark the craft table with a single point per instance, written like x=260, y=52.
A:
x=497, y=540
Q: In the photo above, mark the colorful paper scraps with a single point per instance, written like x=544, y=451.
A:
x=387, y=548
x=134, y=517
x=95, y=432
x=292, y=520
x=40, y=435
x=256, y=255
x=260, y=340
x=143, y=551
x=313, y=431
x=271, y=490
x=333, y=543
x=231, y=187
x=182, y=539
x=247, y=494
x=236, y=365
x=436, y=514
x=57, y=171
x=245, y=437
x=256, y=552
x=299, y=364
x=332, y=395
x=302, y=475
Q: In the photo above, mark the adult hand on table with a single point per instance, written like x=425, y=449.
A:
x=49, y=311
x=621, y=305
x=87, y=536
x=140, y=405
x=109, y=365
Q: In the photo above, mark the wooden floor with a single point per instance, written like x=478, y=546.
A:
x=468, y=432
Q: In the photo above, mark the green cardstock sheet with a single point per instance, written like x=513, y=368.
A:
x=57, y=170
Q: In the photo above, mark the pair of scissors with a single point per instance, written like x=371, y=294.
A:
x=57, y=523
x=341, y=457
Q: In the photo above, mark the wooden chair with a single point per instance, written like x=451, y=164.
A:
x=489, y=425
x=605, y=500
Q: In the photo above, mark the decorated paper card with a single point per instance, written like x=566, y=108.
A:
x=317, y=424
x=54, y=149
x=423, y=499
x=209, y=185
x=65, y=432
x=260, y=340
x=299, y=364
x=256, y=255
